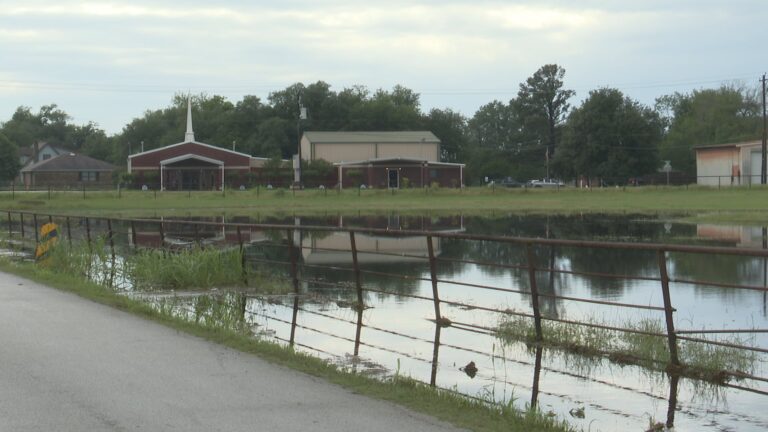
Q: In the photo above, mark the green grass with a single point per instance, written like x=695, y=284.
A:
x=727, y=203
x=699, y=360
x=464, y=412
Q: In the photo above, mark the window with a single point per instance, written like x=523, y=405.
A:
x=433, y=173
x=46, y=156
x=89, y=176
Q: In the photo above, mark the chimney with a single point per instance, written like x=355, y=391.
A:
x=35, y=151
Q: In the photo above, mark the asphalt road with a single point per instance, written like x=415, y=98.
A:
x=68, y=364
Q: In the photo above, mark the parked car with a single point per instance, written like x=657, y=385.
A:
x=510, y=182
x=546, y=183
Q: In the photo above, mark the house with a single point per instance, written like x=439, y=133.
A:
x=193, y=165
x=69, y=170
x=729, y=164
x=383, y=159
x=37, y=152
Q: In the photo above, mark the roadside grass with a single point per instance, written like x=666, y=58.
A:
x=700, y=361
x=723, y=204
x=478, y=415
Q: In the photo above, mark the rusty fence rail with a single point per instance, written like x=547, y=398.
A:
x=138, y=233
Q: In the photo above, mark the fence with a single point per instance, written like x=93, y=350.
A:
x=289, y=251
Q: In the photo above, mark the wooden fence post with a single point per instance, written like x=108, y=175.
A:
x=433, y=277
x=10, y=226
x=534, y=291
x=21, y=217
x=668, y=309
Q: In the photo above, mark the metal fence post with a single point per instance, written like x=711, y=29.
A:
x=162, y=235
x=69, y=233
x=133, y=235
x=34, y=221
x=435, y=355
x=359, y=288
x=668, y=309
x=111, y=235
x=88, y=233
x=242, y=254
x=534, y=291
x=295, y=279
x=10, y=226
x=433, y=277
x=21, y=218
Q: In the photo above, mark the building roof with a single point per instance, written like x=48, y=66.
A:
x=371, y=137
x=188, y=142
x=726, y=145
x=366, y=162
x=70, y=162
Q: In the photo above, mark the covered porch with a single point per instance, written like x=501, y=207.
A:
x=191, y=172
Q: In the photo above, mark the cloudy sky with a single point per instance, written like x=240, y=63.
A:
x=109, y=61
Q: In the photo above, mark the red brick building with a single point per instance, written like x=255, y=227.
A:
x=191, y=165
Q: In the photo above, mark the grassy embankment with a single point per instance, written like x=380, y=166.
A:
x=736, y=205
x=701, y=361
x=67, y=269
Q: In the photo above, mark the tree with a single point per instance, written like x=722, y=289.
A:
x=451, y=128
x=543, y=103
x=708, y=116
x=610, y=136
x=9, y=159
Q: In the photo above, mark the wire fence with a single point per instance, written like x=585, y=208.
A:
x=284, y=250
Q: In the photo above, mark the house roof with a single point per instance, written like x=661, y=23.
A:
x=394, y=160
x=726, y=145
x=70, y=162
x=29, y=150
x=371, y=137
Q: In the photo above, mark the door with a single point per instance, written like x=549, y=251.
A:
x=394, y=178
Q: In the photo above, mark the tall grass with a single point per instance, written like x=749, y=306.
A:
x=192, y=268
x=699, y=360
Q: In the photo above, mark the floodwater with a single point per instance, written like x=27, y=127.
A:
x=398, y=334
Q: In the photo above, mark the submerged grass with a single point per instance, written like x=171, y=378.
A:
x=188, y=268
x=476, y=415
x=699, y=360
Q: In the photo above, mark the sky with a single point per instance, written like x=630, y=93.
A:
x=108, y=62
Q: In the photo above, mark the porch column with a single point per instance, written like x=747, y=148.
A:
x=461, y=176
x=222, y=176
x=162, y=174
x=341, y=180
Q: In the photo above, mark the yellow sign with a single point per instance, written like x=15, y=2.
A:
x=49, y=235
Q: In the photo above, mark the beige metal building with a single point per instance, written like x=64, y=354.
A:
x=357, y=146
x=383, y=159
x=731, y=164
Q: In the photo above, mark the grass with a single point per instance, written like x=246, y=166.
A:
x=702, y=361
x=473, y=414
x=747, y=205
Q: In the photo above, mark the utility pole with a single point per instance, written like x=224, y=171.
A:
x=762, y=166
x=300, y=115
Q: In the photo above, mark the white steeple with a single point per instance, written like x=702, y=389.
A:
x=190, y=135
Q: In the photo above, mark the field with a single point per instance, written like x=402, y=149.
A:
x=734, y=205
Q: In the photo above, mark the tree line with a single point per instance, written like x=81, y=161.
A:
x=535, y=134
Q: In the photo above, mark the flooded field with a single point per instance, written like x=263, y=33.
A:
x=396, y=331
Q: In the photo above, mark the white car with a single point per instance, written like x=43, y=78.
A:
x=547, y=183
